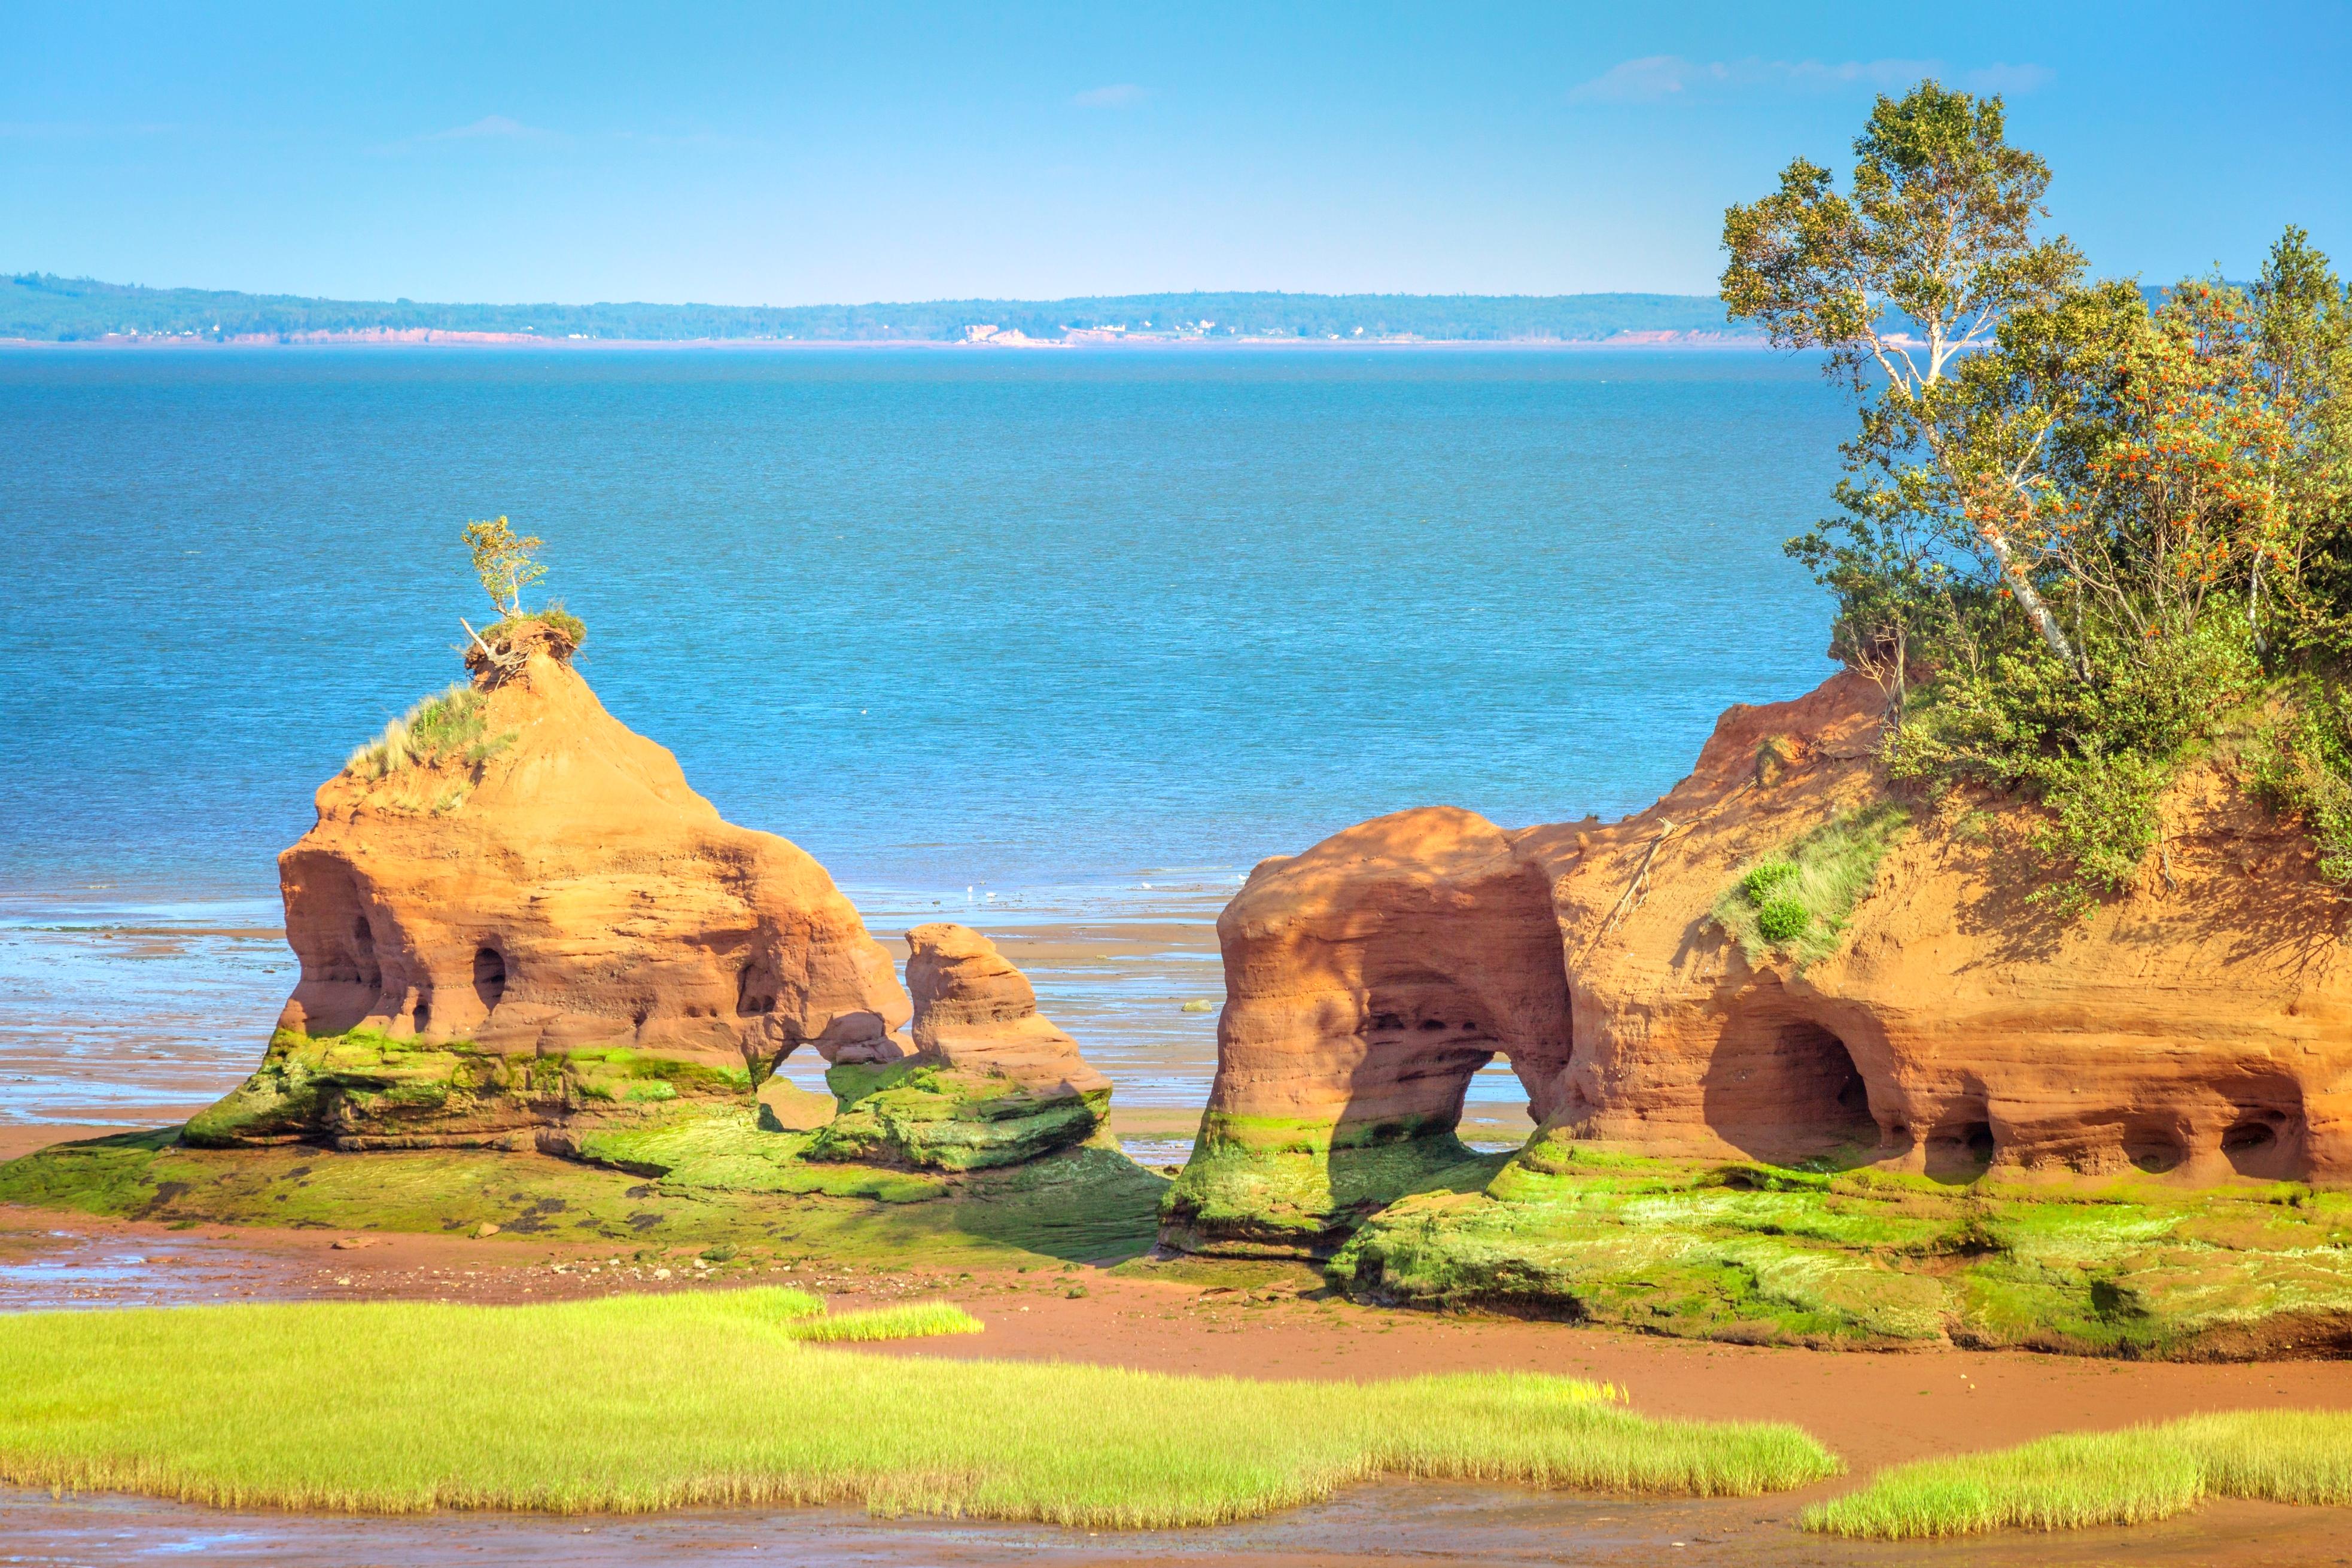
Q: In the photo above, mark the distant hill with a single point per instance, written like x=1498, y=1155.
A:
x=47, y=309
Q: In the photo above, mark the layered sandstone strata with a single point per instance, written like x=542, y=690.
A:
x=1948, y=1018
x=991, y=1082
x=513, y=912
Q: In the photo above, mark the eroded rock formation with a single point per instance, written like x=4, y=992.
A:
x=993, y=1081
x=1948, y=1020
x=513, y=912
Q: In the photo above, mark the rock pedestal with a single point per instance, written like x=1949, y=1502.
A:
x=991, y=1082
x=513, y=913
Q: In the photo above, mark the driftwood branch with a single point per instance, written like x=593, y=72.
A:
x=499, y=664
x=1631, y=899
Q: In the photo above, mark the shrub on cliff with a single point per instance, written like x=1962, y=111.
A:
x=1796, y=903
x=2078, y=528
x=506, y=565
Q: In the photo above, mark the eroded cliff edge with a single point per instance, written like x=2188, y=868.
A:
x=1912, y=1011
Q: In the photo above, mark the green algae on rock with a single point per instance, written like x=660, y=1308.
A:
x=366, y=1089
x=919, y=1113
x=1260, y=1186
x=1866, y=1257
x=705, y=1178
x=993, y=1082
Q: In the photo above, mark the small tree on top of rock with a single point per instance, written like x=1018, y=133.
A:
x=506, y=564
x=1924, y=262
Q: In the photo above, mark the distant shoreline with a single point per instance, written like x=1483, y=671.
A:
x=422, y=338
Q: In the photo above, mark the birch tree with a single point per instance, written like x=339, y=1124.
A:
x=1920, y=265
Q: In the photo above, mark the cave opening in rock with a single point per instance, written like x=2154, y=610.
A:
x=490, y=977
x=2154, y=1150
x=2265, y=1143
x=1782, y=1088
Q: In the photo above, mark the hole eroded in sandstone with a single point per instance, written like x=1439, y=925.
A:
x=1425, y=1038
x=2154, y=1150
x=2265, y=1143
x=490, y=977
x=755, y=990
x=1787, y=1088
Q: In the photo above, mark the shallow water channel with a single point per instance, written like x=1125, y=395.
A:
x=1401, y=1523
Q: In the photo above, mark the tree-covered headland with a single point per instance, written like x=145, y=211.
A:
x=2086, y=530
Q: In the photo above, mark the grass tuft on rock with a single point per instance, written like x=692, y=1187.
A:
x=630, y=1404
x=1796, y=902
x=906, y=1319
x=446, y=726
x=2077, y=1480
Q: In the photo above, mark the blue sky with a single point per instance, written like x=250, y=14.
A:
x=786, y=154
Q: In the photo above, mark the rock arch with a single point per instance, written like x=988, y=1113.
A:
x=1367, y=980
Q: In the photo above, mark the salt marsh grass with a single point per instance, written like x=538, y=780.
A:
x=637, y=1402
x=2084, y=1478
x=908, y=1320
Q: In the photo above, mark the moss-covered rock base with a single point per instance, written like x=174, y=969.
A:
x=1255, y=1187
x=700, y=1175
x=366, y=1090
x=1868, y=1259
x=919, y=1115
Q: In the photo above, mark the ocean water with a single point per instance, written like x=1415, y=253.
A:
x=1060, y=636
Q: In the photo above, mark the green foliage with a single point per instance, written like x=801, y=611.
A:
x=630, y=1403
x=1798, y=900
x=905, y=1320
x=505, y=563
x=1937, y=235
x=2098, y=754
x=2303, y=763
x=447, y=727
x=2077, y=1480
x=2085, y=523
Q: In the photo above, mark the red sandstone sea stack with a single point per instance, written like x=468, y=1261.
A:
x=520, y=879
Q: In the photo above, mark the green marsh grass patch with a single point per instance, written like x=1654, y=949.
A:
x=2080, y=1479
x=906, y=1319
x=629, y=1403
